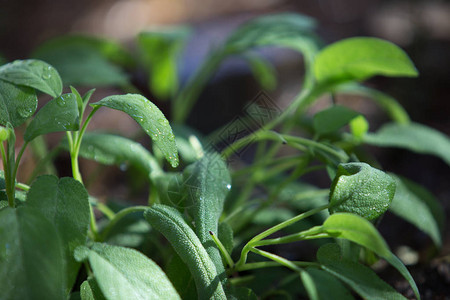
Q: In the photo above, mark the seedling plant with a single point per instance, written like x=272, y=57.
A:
x=209, y=230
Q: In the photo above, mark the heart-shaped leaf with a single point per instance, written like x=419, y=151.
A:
x=360, y=58
x=64, y=202
x=123, y=273
x=33, y=73
x=360, y=189
x=31, y=256
x=150, y=118
x=60, y=114
x=17, y=103
x=171, y=224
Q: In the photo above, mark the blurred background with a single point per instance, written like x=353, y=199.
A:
x=421, y=28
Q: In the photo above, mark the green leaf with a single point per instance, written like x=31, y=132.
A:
x=309, y=285
x=171, y=224
x=123, y=273
x=189, y=142
x=208, y=182
x=328, y=287
x=150, y=118
x=161, y=51
x=111, y=149
x=4, y=133
x=225, y=235
x=362, y=280
x=85, y=61
x=360, y=58
x=60, y=114
x=417, y=206
x=333, y=118
x=415, y=137
x=360, y=189
x=31, y=257
x=180, y=276
x=64, y=202
x=33, y=73
x=357, y=229
x=386, y=102
x=284, y=29
x=89, y=290
x=17, y=103
x=240, y=293
x=359, y=127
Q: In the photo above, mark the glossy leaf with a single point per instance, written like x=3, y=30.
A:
x=89, y=290
x=85, y=61
x=123, y=273
x=17, y=103
x=171, y=224
x=417, y=206
x=208, y=182
x=333, y=118
x=31, y=257
x=328, y=287
x=111, y=149
x=415, y=137
x=150, y=118
x=360, y=58
x=360, y=189
x=64, y=202
x=161, y=50
x=358, y=230
x=60, y=114
x=33, y=73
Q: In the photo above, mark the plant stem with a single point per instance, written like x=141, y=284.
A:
x=274, y=229
x=269, y=264
x=23, y=186
x=280, y=260
x=117, y=217
x=222, y=249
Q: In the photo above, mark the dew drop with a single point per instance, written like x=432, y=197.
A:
x=25, y=112
x=229, y=186
x=61, y=101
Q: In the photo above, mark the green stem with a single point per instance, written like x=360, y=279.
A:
x=108, y=212
x=280, y=260
x=222, y=249
x=316, y=231
x=19, y=157
x=274, y=229
x=23, y=186
x=270, y=264
x=9, y=192
x=117, y=217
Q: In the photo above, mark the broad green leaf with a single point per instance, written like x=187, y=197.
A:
x=180, y=276
x=328, y=287
x=111, y=149
x=123, y=273
x=362, y=280
x=333, y=118
x=85, y=61
x=17, y=103
x=411, y=202
x=360, y=189
x=150, y=118
x=60, y=114
x=208, y=182
x=89, y=290
x=64, y=202
x=160, y=51
x=360, y=231
x=171, y=224
x=309, y=285
x=415, y=137
x=262, y=70
x=31, y=257
x=33, y=73
x=360, y=58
